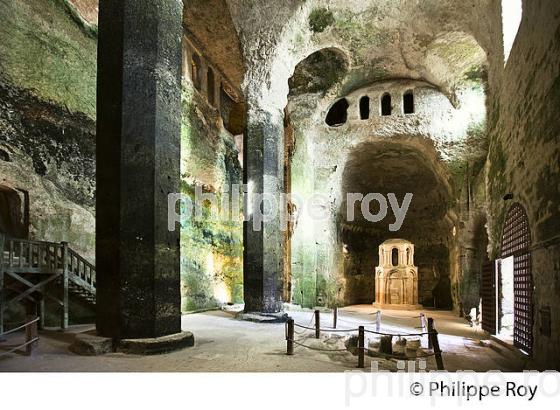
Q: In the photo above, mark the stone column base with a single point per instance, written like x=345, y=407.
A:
x=260, y=317
x=90, y=344
x=156, y=345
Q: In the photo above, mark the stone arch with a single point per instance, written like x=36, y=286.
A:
x=379, y=166
x=318, y=71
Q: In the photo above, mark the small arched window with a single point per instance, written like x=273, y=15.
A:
x=364, y=108
x=195, y=70
x=408, y=257
x=211, y=86
x=386, y=106
x=338, y=114
x=408, y=102
x=395, y=257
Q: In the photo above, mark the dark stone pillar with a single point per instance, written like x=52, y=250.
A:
x=138, y=165
x=263, y=249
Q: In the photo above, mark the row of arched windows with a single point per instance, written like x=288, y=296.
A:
x=386, y=105
x=338, y=114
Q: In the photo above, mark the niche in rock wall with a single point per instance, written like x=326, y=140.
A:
x=14, y=213
x=196, y=71
x=386, y=105
x=338, y=114
x=364, y=108
x=408, y=102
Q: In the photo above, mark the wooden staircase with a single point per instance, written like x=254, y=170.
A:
x=27, y=267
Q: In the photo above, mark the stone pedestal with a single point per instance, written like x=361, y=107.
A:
x=138, y=165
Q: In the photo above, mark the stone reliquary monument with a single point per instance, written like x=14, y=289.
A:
x=396, y=277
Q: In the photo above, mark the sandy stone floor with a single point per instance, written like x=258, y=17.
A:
x=225, y=344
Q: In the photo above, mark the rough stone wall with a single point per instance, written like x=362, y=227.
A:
x=211, y=247
x=47, y=111
x=524, y=157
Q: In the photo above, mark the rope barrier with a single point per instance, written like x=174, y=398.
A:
x=400, y=357
x=36, y=339
x=309, y=324
x=346, y=321
x=20, y=327
x=398, y=334
x=400, y=317
x=360, y=348
x=376, y=354
x=326, y=330
x=331, y=330
x=319, y=349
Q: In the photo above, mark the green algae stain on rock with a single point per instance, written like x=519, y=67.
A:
x=43, y=49
x=211, y=244
x=320, y=19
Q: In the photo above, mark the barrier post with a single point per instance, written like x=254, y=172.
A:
x=437, y=351
x=361, y=347
x=335, y=317
x=65, y=284
x=423, y=322
x=317, y=325
x=423, y=327
x=378, y=321
x=30, y=334
x=430, y=330
x=290, y=337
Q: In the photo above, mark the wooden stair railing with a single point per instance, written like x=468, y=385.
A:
x=34, y=264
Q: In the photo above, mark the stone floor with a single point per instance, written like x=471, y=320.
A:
x=225, y=344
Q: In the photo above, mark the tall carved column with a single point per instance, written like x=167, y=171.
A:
x=138, y=162
x=264, y=174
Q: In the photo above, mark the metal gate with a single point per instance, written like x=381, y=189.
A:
x=516, y=241
x=488, y=296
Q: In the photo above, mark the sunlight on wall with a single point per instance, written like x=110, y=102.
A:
x=511, y=19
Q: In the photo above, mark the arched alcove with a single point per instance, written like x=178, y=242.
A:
x=401, y=167
x=13, y=213
x=364, y=108
x=386, y=105
x=408, y=102
x=318, y=72
x=196, y=71
x=338, y=113
x=395, y=257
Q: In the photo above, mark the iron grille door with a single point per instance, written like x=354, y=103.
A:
x=516, y=241
x=488, y=295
